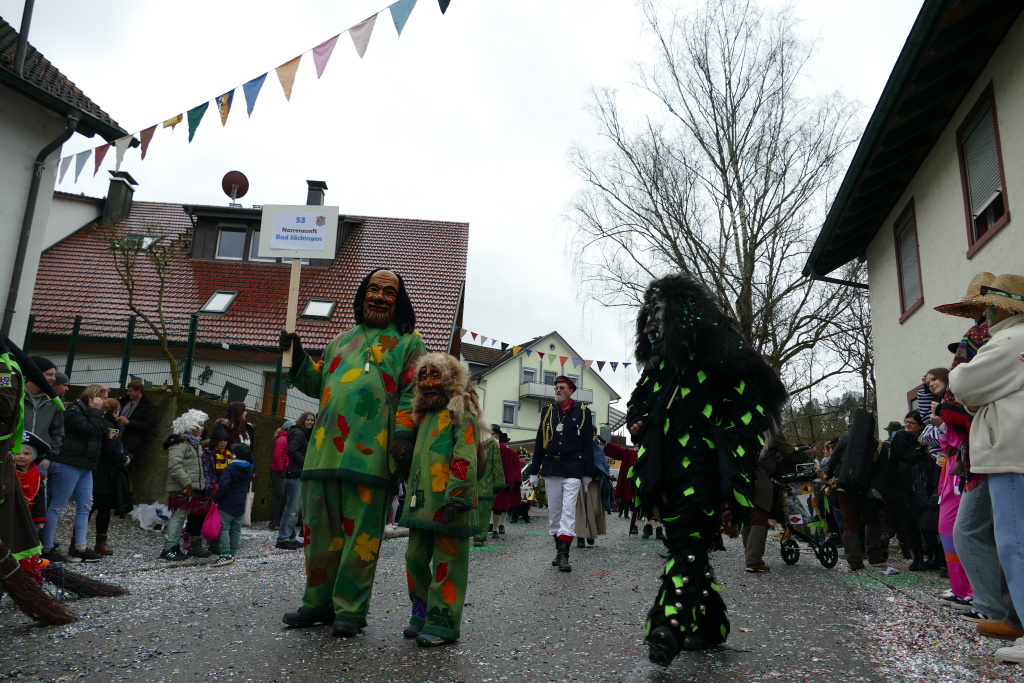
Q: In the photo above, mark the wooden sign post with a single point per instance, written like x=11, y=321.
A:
x=297, y=232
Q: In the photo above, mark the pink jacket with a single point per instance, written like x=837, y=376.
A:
x=279, y=463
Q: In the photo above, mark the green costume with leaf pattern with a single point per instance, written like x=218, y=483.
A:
x=443, y=472
x=364, y=385
x=492, y=481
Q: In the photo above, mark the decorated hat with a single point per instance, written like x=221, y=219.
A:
x=563, y=378
x=38, y=446
x=969, y=306
x=1005, y=293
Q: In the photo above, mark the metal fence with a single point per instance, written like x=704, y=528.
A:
x=116, y=351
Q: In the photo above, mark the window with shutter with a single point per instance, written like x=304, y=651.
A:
x=981, y=172
x=908, y=262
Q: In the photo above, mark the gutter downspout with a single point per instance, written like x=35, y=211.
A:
x=26, y=224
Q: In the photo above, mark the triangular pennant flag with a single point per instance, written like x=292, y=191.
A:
x=541, y=354
x=494, y=342
x=615, y=365
x=286, y=74
x=528, y=352
x=600, y=365
x=120, y=147
x=576, y=362
x=625, y=365
x=563, y=359
x=483, y=339
x=80, y=160
x=173, y=121
x=195, y=115
x=462, y=334
x=251, y=90
x=322, y=53
x=224, y=106
x=361, y=34
x=474, y=335
x=400, y=12
x=588, y=363
x=504, y=346
x=65, y=164
x=444, y=5
x=516, y=350
x=146, y=136
x=552, y=358
x=101, y=152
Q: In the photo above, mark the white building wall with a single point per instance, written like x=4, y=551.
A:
x=25, y=128
x=904, y=352
x=68, y=214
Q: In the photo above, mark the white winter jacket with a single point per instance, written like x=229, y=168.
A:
x=993, y=382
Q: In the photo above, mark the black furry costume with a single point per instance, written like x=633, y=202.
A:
x=705, y=399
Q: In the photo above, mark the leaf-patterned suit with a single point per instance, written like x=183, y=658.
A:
x=346, y=481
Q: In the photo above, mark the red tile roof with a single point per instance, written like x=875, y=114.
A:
x=43, y=82
x=429, y=255
x=474, y=353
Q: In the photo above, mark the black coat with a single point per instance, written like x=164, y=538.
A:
x=83, y=437
x=142, y=420
x=221, y=432
x=111, y=458
x=298, y=442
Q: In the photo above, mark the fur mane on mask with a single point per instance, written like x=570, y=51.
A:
x=696, y=331
x=483, y=429
x=454, y=382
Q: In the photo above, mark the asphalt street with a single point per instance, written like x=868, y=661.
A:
x=523, y=621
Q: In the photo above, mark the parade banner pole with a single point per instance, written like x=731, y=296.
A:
x=292, y=311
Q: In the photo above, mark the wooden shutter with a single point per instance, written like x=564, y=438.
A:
x=910, y=273
x=982, y=162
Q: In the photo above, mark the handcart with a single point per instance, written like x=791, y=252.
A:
x=799, y=513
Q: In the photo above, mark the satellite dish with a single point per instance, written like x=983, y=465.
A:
x=235, y=184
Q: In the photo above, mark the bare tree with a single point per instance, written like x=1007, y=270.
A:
x=134, y=252
x=728, y=186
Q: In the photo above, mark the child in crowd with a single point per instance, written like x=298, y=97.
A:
x=231, y=495
x=29, y=476
x=221, y=458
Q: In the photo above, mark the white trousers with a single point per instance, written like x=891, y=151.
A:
x=562, y=495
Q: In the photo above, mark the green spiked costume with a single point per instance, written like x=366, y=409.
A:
x=443, y=473
x=364, y=388
x=703, y=403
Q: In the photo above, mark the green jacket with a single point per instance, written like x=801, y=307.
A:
x=443, y=472
x=359, y=409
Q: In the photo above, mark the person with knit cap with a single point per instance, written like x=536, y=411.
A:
x=185, y=482
x=232, y=491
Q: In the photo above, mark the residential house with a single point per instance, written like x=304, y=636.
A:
x=515, y=386
x=928, y=198
x=220, y=286
x=40, y=109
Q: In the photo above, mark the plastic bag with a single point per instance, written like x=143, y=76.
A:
x=150, y=517
x=211, y=525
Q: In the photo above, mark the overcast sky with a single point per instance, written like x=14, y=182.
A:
x=467, y=116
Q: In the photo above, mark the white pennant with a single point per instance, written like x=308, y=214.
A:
x=361, y=34
x=120, y=147
x=65, y=164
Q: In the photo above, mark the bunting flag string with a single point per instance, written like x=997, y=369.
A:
x=516, y=350
x=360, y=34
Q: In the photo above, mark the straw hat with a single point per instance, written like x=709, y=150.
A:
x=1005, y=293
x=969, y=306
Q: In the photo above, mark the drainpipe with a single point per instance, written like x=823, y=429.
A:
x=26, y=224
x=22, y=49
x=835, y=281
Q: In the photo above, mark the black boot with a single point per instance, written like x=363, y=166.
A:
x=581, y=542
x=633, y=530
x=558, y=551
x=563, y=557
x=917, y=564
x=662, y=645
x=661, y=534
x=501, y=528
x=648, y=531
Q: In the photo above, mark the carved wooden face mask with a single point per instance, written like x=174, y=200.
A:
x=381, y=299
x=428, y=385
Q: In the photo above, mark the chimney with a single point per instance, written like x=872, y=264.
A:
x=119, y=197
x=315, y=194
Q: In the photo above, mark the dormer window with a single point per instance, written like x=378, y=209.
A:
x=136, y=242
x=231, y=244
x=218, y=302
x=319, y=308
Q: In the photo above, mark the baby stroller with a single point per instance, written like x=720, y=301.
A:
x=798, y=512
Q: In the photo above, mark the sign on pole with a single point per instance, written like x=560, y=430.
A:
x=297, y=231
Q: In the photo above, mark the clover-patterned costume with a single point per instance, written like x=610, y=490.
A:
x=490, y=483
x=443, y=472
x=705, y=400
x=364, y=387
